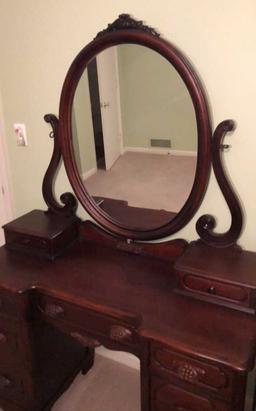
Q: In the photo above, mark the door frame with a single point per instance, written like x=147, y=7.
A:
x=4, y=172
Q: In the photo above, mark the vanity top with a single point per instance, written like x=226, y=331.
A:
x=139, y=288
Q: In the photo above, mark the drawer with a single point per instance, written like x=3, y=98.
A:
x=176, y=366
x=8, y=304
x=11, y=385
x=8, y=342
x=220, y=289
x=68, y=316
x=168, y=397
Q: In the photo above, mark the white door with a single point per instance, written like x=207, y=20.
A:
x=107, y=69
x=5, y=201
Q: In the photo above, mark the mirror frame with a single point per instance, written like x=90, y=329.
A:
x=125, y=30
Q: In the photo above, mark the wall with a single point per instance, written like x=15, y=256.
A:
x=38, y=41
x=6, y=213
x=155, y=102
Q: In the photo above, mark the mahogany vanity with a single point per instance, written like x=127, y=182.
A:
x=186, y=310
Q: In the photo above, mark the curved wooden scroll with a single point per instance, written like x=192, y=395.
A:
x=206, y=224
x=68, y=199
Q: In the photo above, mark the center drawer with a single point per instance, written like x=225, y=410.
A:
x=67, y=316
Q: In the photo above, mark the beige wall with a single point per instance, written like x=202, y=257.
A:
x=39, y=39
x=155, y=103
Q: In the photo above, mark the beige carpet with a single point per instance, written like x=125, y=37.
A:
x=109, y=386
x=160, y=182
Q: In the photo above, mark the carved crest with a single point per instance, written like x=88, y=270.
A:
x=126, y=22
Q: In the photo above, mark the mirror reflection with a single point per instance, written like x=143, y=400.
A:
x=135, y=136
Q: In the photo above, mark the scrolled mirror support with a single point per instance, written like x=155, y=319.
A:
x=206, y=224
x=70, y=203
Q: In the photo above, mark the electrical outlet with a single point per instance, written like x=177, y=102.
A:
x=21, y=135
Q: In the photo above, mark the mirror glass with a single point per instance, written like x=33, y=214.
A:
x=135, y=136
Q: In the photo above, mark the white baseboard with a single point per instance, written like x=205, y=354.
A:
x=120, y=356
x=89, y=173
x=164, y=151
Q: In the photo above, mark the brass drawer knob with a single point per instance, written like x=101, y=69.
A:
x=119, y=333
x=212, y=290
x=4, y=382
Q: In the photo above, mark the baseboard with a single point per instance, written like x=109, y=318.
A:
x=89, y=173
x=121, y=357
x=164, y=151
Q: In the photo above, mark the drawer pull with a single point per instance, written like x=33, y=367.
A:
x=212, y=290
x=3, y=338
x=85, y=340
x=4, y=382
x=119, y=333
x=53, y=310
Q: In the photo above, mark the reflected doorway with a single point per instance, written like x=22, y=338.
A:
x=103, y=80
x=96, y=114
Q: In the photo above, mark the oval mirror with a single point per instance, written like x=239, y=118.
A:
x=135, y=134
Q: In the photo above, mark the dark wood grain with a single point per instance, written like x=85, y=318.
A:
x=138, y=307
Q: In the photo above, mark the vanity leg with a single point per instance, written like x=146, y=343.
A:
x=88, y=360
x=145, y=379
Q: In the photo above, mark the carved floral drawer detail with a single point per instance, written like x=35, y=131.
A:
x=189, y=370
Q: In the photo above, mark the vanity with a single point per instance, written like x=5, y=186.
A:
x=186, y=310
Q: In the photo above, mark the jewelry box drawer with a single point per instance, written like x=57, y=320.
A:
x=214, y=289
x=68, y=316
x=176, y=366
x=168, y=397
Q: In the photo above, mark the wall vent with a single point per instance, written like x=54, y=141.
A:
x=160, y=142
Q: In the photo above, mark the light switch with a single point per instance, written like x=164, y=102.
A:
x=21, y=136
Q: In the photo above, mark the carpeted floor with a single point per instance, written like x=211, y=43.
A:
x=109, y=386
x=160, y=182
